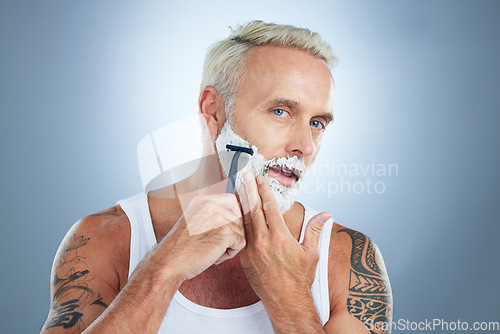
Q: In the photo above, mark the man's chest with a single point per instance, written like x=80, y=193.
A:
x=222, y=286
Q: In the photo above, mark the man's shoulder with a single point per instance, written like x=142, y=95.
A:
x=351, y=250
x=111, y=223
x=345, y=241
x=106, y=236
x=357, y=273
x=358, y=284
x=342, y=239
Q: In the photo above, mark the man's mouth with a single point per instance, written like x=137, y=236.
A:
x=286, y=176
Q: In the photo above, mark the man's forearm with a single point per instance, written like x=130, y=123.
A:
x=141, y=305
x=294, y=314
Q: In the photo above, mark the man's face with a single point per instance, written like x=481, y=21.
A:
x=282, y=107
x=284, y=103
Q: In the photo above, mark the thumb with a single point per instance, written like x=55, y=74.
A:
x=313, y=230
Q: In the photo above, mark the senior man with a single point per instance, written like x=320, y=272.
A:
x=190, y=258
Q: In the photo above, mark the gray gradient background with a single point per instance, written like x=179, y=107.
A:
x=83, y=81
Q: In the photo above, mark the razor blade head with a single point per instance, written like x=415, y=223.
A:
x=239, y=148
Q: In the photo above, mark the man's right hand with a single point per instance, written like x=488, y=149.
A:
x=85, y=277
x=209, y=232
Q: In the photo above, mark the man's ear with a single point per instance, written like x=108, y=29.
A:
x=212, y=109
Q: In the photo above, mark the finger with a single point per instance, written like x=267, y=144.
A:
x=223, y=258
x=216, y=220
x=235, y=207
x=245, y=207
x=232, y=217
x=226, y=204
x=258, y=219
x=226, y=200
x=313, y=230
x=236, y=243
x=270, y=206
x=210, y=215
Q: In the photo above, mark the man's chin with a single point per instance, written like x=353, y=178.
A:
x=285, y=196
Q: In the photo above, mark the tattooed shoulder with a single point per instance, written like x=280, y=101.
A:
x=90, y=268
x=369, y=297
x=71, y=291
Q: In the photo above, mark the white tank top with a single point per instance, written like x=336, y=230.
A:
x=184, y=316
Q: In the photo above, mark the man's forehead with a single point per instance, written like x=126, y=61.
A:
x=284, y=64
x=275, y=63
x=262, y=55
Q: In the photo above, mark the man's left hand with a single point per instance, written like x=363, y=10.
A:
x=279, y=268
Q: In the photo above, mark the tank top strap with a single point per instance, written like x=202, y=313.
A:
x=319, y=289
x=142, y=237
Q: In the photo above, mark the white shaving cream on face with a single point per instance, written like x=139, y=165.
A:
x=285, y=196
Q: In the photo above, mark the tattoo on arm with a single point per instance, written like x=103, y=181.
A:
x=71, y=279
x=369, y=297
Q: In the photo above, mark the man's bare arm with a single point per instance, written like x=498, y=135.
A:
x=81, y=286
x=360, y=292
x=85, y=280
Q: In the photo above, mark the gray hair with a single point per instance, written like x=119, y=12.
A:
x=224, y=63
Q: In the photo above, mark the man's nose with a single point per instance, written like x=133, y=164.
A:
x=300, y=142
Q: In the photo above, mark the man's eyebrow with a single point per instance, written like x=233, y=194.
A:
x=284, y=101
x=327, y=116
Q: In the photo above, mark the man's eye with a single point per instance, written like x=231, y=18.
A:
x=317, y=124
x=280, y=112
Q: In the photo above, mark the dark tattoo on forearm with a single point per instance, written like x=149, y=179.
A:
x=369, y=291
x=71, y=281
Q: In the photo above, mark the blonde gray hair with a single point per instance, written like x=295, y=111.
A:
x=224, y=63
